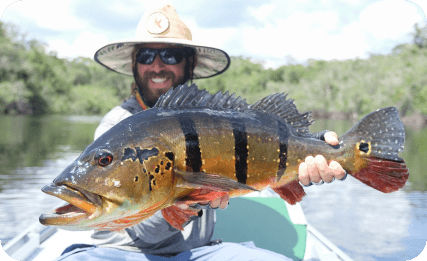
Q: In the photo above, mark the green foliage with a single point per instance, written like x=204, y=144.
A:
x=29, y=75
x=353, y=87
x=87, y=99
x=37, y=82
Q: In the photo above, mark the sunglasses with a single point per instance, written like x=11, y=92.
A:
x=167, y=55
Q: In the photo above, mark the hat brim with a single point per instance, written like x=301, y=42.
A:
x=117, y=56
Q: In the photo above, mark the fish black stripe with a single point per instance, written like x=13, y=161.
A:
x=194, y=157
x=283, y=132
x=240, y=151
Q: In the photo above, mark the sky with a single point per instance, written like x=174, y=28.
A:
x=269, y=31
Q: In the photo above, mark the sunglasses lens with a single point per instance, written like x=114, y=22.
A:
x=168, y=55
x=145, y=56
x=171, y=56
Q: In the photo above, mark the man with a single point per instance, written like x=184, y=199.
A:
x=164, y=56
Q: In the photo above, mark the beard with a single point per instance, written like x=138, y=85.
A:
x=152, y=94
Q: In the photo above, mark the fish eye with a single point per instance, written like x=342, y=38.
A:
x=103, y=158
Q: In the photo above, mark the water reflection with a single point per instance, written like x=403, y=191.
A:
x=33, y=151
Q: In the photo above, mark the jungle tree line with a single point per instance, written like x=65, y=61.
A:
x=35, y=81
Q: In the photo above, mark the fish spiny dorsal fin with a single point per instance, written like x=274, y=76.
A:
x=181, y=96
x=184, y=96
x=285, y=108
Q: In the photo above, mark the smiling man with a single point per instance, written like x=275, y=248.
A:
x=161, y=57
x=159, y=66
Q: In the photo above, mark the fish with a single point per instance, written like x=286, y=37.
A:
x=193, y=146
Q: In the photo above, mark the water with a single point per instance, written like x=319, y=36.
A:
x=33, y=151
x=364, y=223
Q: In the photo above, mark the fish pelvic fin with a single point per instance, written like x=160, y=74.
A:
x=177, y=217
x=377, y=139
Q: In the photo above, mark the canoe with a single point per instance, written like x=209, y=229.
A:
x=262, y=217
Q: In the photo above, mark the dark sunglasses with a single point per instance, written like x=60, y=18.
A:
x=168, y=55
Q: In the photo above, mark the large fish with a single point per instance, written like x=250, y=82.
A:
x=193, y=146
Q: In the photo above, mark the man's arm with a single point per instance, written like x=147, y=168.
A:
x=116, y=115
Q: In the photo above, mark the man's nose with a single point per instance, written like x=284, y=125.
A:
x=157, y=64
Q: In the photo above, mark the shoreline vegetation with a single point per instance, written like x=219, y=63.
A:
x=36, y=82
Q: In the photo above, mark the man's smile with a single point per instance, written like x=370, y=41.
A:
x=158, y=80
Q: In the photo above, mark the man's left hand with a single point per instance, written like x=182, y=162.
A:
x=316, y=169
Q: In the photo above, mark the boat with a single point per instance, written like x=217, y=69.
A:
x=263, y=217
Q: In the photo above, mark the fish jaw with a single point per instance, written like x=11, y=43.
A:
x=83, y=205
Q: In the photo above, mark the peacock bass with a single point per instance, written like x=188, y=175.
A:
x=193, y=146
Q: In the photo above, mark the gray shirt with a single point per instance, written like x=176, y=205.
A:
x=154, y=236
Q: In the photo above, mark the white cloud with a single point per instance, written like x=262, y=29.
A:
x=86, y=44
x=262, y=12
x=321, y=35
x=214, y=37
x=302, y=35
x=390, y=19
x=50, y=14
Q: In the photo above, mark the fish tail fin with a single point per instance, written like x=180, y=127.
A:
x=377, y=139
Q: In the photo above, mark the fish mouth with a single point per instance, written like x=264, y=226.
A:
x=82, y=205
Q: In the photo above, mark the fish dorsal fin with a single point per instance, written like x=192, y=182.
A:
x=184, y=96
x=285, y=108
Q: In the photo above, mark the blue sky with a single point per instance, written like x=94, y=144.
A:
x=268, y=31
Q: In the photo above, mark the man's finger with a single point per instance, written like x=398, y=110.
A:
x=323, y=169
x=224, y=202
x=312, y=171
x=337, y=170
x=215, y=203
x=182, y=205
x=331, y=138
x=303, y=174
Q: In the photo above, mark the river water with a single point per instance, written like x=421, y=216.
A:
x=364, y=223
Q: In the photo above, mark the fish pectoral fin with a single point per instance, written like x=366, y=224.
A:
x=177, y=217
x=202, y=180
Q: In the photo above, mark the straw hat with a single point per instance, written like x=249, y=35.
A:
x=161, y=24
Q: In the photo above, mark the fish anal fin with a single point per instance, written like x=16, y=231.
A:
x=383, y=175
x=202, y=180
x=176, y=217
x=291, y=192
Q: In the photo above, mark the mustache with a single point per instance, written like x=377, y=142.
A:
x=161, y=74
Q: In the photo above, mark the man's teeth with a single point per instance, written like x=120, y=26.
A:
x=158, y=80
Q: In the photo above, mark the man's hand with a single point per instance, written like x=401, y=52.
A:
x=316, y=169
